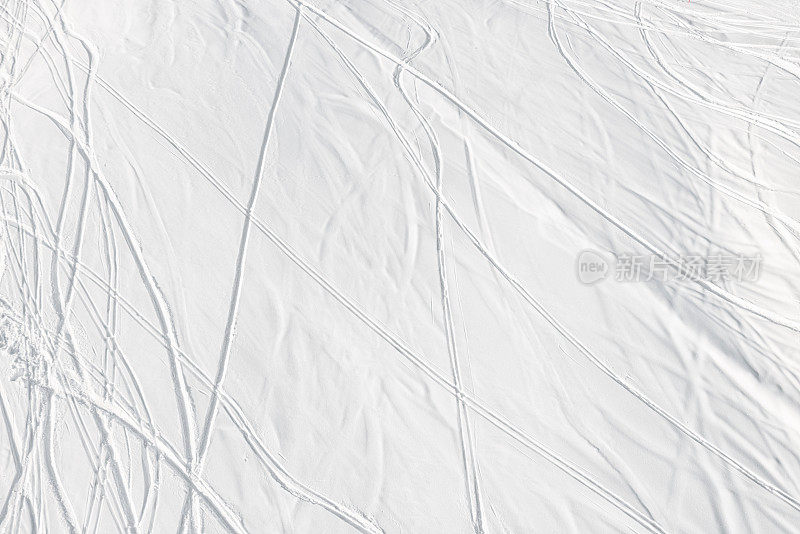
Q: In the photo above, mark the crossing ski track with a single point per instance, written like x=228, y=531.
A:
x=311, y=266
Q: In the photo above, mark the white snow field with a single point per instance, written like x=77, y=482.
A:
x=401, y=266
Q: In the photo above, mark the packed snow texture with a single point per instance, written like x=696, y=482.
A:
x=419, y=266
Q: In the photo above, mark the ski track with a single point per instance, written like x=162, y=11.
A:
x=137, y=393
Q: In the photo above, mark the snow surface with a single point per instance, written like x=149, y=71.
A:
x=325, y=266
